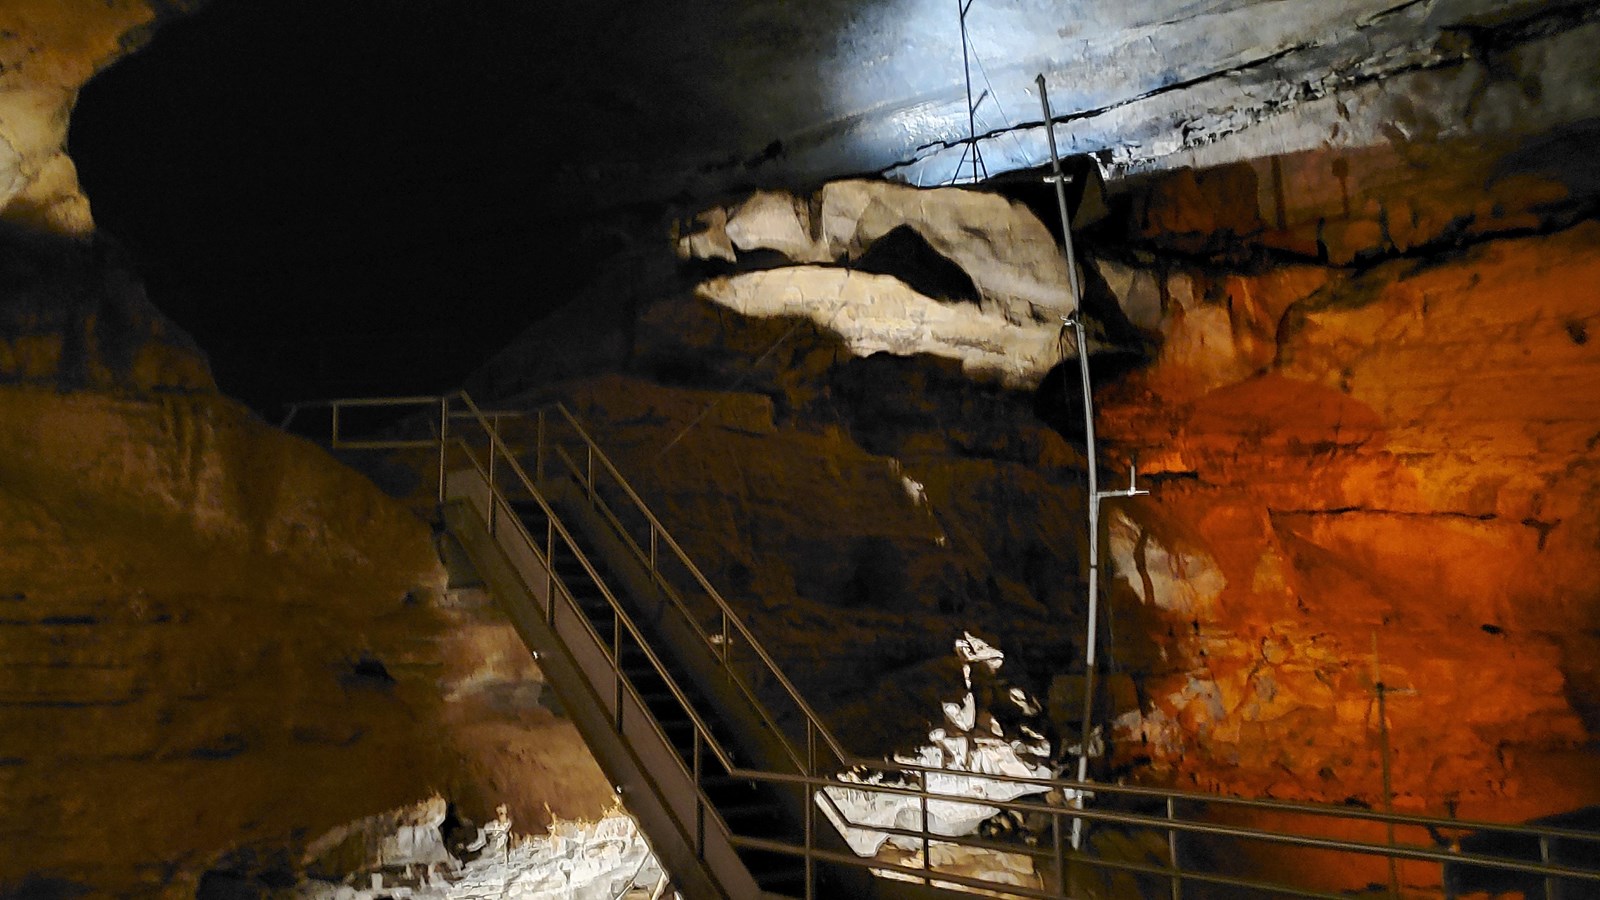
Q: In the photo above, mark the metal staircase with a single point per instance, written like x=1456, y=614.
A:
x=724, y=763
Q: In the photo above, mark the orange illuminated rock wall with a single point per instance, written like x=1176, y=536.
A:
x=1396, y=465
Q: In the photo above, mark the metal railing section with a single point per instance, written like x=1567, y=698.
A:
x=702, y=604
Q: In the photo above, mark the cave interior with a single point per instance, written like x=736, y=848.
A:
x=799, y=270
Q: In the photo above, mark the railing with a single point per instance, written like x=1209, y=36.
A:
x=559, y=436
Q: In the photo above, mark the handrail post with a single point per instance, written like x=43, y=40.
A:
x=334, y=433
x=1061, y=857
x=927, y=853
x=1172, y=851
x=444, y=435
x=550, y=571
x=726, y=642
x=616, y=664
x=811, y=807
x=699, y=801
x=1552, y=888
x=538, y=449
x=494, y=451
x=654, y=573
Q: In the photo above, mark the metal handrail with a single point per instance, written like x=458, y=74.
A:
x=682, y=606
x=814, y=781
x=716, y=597
x=618, y=611
x=702, y=732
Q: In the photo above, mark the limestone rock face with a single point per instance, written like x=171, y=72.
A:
x=1362, y=204
x=215, y=636
x=1387, y=477
x=74, y=316
x=880, y=313
x=48, y=49
x=903, y=257
x=1011, y=258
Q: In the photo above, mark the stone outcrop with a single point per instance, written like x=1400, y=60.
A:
x=1010, y=257
x=74, y=316
x=48, y=49
x=217, y=637
x=885, y=267
x=1381, y=477
x=1364, y=204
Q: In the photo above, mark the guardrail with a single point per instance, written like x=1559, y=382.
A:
x=817, y=755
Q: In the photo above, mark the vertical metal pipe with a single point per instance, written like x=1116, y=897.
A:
x=494, y=451
x=811, y=840
x=699, y=801
x=1061, y=856
x=811, y=747
x=334, y=437
x=727, y=645
x=550, y=570
x=616, y=664
x=927, y=855
x=966, y=66
x=1552, y=888
x=444, y=435
x=1076, y=320
x=538, y=450
x=1172, y=851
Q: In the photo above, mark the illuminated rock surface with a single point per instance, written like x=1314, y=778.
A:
x=1409, y=459
x=1366, y=418
x=215, y=635
x=50, y=48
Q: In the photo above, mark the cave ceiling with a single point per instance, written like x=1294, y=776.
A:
x=362, y=167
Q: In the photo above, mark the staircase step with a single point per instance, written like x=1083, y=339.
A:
x=749, y=809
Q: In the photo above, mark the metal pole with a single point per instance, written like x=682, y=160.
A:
x=494, y=440
x=1061, y=192
x=538, y=451
x=927, y=853
x=1172, y=852
x=972, y=121
x=1552, y=888
x=550, y=570
x=444, y=434
x=1061, y=857
x=810, y=811
x=1076, y=321
x=616, y=663
x=699, y=802
x=335, y=432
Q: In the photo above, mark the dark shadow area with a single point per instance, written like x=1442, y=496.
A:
x=343, y=197
x=905, y=254
x=1058, y=401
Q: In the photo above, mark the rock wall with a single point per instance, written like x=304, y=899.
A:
x=48, y=49
x=215, y=640
x=1363, y=476
x=1370, y=450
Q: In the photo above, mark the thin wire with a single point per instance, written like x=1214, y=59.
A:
x=1005, y=118
x=962, y=7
